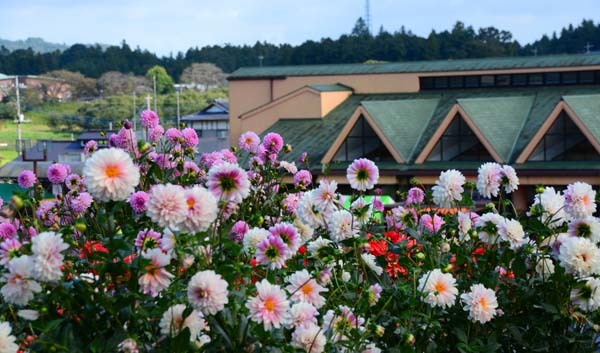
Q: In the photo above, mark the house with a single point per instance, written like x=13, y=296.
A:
x=540, y=115
x=211, y=125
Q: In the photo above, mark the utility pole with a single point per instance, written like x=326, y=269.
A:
x=588, y=46
x=148, y=101
x=178, y=115
x=155, y=109
x=19, y=119
x=134, y=115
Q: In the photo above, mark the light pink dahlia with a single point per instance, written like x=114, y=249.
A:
x=167, y=205
x=249, y=142
x=19, y=287
x=480, y=302
x=201, y=210
x=207, y=292
x=26, y=179
x=362, y=174
x=272, y=252
x=270, y=306
x=489, y=178
x=149, y=119
x=57, y=173
x=448, y=188
x=580, y=200
x=439, y=288
x=310, y=338
x=304, y=288
x=156, y=278
x=48, y=259
x=111, y=175
x=228, y=181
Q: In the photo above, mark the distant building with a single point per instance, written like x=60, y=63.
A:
x=48, y=87
x=539, y=114
x=211, y=125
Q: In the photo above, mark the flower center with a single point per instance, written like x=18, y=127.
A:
x=272, y=253
x=227, y=183
x=440, y=287
x=111, y=171
x=191, y=202
x=270, y=305
x=585, y=199
x=307, y=289
x=483, y=304
x=201, y=293
x=362, y=175
x=584, y=230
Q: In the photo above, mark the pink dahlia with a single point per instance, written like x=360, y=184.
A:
x=489, y=178
x=148, y=239
x=9, y=248
x=81, y=202
x=48, y=259
x=249, y=142
x=415, y=195
x=20, y=287
x=57, y=173
x=167, y=205
x=156, y=278
x=26, y=179
x=302, y=179
x=149, y=119
x=173, y=135
x=74, y=182
x=432, y=224
x=138, y=201
x=448, y=188
x=201, y=210
x=228, y=182
x=270, y=306
x=272, y=142
x=156, y=133
x=7, y=230
x=288, y=233
x=310, y=338
x=480, y=302
x=190, y=137
x=273, y=252
x=207, y=292
x=90, y=147
x=580, y=200
x=304, y=288
x=509, y=179
x=362, y=174
x=111, y=175
x=239, y=229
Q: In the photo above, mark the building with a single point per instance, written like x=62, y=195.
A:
x=539, y=114
x=49, y=87
x=211, y=125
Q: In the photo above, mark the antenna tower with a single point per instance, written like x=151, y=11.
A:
x=368, y=15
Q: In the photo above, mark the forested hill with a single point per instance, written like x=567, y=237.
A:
x=37, y=44
x=356, y=47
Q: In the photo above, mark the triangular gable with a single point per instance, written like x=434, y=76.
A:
x=457, y=112
x=562, y=111
x=306, y=90
x=402, y=121
x=359, y=113
x=500, y=119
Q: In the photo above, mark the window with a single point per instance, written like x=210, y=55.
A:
x=457, y=82
x=569, y=78
x=362, y=141
x=564, y=142
x=502, y=80
x=552, y=78
x=459, y=143
x=519, y=80
x=426, y=82
x=199, y=132
x=472, y=81
x=487, y=81
x=440, y=82
x=222, y=134
x=586, y=77
x=536, y=79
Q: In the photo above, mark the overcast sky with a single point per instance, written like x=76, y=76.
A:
x=169, y=26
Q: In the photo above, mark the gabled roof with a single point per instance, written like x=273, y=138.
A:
x=338, y=87
x=500, y=119
x=508, y=119
x=414, y=115
x=217, y=110
x=503, y=63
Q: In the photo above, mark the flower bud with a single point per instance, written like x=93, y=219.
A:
x=80, y=226
x=345, y=276
x=127, y=125
x=17, y=202
x=445, y=247
x=409, y=339
x=539, y=189
x=420, y=256
x=448, y=268
x=379, y=330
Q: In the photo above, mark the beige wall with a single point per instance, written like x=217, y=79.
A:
x=330, y=100
x=305, y=104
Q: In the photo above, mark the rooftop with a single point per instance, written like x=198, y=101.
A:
x=503, y=63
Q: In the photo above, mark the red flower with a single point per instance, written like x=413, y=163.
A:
x=393, y=236
x=393, y=269
x=91, y=247
x=302, y=250
x=378, y=247
x=477, y=252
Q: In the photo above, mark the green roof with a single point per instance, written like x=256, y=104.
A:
x=507, y=117
x=331, y=88
x=414, y=115
x=587, y=107
x=499, y=119
x=3, y=76
x=504, y=63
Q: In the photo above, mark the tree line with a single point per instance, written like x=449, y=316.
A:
x=356, y=47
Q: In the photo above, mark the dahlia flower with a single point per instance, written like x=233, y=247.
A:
x=26, y=179
x=47, y=257
x=138, y=201
x=270, y=306
x=304, y=288
x=249, y=142
x=288, y=233
x=303, y=313
x=207, y=292
x=342, y=225
x=57, y=173
x=273, y=252
x=552, y=204
x=579, y=256
x=587, y=298
x=448, y=188
x=167, y=205
x=362, y=174
x=111, y=175
x=253, y=237
x=489, y=177
x=7, y=341
x=228, y=181
x=480, y=302
x=201, y=210
x=439, y=288
x=156, y=278
x=20, y=287
x=580, y=200
x=310, y=338
x=149, y=119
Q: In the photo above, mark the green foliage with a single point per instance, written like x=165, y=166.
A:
x=164, y=82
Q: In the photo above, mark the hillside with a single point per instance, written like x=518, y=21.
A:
x=36, y=44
